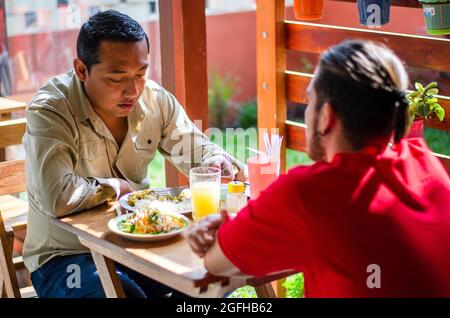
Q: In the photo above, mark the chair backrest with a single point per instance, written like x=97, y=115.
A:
x=12, y=131
x=8, y=277
x=12, y=174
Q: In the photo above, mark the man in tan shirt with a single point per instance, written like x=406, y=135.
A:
x=91, y=134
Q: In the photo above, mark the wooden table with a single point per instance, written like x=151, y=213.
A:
x=170, y=262
x=6, y=107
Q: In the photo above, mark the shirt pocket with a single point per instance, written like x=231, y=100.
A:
x=93, y=159
x=148, y=140
x=146, y=145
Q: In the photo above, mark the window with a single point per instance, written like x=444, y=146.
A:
x=152, y=5
x=30, y=19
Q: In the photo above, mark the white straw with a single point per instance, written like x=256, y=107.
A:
x=259, y=152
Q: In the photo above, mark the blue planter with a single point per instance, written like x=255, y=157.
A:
x=374, y=13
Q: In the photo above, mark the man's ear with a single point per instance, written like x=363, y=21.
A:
x=327, y=119
x=80, y=69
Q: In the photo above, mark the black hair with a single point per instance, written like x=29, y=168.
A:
x=109, y=25
x=365, y=85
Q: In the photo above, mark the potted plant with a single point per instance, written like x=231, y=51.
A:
x=308, y=9
x=437, y=16
x=423, y=104
x=374, y=13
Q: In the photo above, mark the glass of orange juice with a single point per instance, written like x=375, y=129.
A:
x=205, y=190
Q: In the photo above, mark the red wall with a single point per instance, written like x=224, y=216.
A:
x=232, y=49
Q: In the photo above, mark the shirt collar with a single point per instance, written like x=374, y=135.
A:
x=78, y=99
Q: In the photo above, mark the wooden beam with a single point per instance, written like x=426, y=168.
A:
x=296, y=84
x=296, y=140
x=183, y=62
x=415, y=50
x=295, y=136
x=271, y=63
x=445, y=161
x=398, y=3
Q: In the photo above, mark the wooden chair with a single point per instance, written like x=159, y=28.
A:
x=12, y=174
x=13, y=210
x=9, y=285
x=7, y=107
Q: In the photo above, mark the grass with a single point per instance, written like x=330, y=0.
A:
x=438, y=140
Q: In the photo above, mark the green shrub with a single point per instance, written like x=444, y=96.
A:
x=220, y=92
x=295, y=286
x=249, y=115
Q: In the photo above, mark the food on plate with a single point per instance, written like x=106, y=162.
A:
x=150, y=221
x=152, y=195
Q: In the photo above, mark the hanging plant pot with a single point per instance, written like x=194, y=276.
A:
x=437, y=16
x=308, y=9
x=416, y=129
x=374, y=13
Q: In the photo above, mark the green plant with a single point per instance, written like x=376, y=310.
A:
x=220, y=92
x=295, y=286
x=249, y=115
x=423, y=104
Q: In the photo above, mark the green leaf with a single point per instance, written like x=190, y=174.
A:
x=426, y=110
x=440, y=113
x=433, y=91
x=413, y=95
x=420, y=109
x=432, y=100
x=435, y=105
x=413, y=106
x=419, y=87
x=431, y=85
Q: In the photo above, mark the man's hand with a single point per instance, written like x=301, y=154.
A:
x=222, y=163
x=225, y=164
x=201, y=236
x=124, y=187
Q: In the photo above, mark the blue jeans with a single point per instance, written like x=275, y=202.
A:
x=55, y=280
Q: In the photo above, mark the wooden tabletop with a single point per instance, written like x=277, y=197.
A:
x=9, y=105
x=170, y=261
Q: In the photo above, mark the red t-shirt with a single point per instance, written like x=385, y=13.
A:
x=343, y=222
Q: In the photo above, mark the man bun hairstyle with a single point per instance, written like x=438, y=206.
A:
x=365, y=84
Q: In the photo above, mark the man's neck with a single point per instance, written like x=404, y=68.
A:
x=118, y=126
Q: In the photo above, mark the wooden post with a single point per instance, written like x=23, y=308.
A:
x=271, y=65
x=183, y=62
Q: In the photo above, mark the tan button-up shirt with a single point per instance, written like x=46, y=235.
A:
x=71, y=157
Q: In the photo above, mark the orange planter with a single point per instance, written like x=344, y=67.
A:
x=308, y=9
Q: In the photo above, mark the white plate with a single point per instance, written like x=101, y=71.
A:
x=112, y=225
x=123, y=201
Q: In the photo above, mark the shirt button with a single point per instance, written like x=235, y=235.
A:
x=149, y=141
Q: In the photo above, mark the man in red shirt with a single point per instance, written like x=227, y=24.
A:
x=369, y=218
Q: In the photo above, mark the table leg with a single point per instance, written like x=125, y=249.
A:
x=108, y=276
x=2, y=287
x=265, y=291
x=6, y=116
